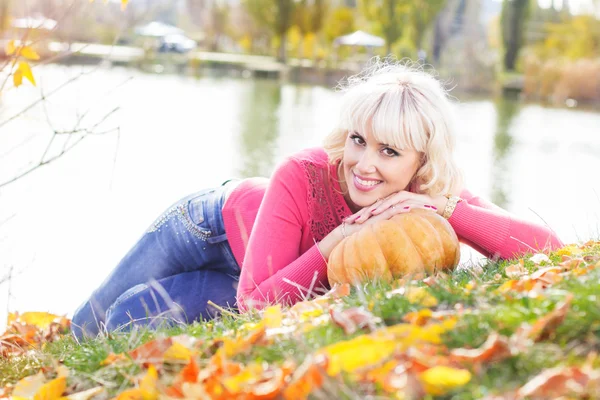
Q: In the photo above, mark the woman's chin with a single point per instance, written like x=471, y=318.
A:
x=362, y=200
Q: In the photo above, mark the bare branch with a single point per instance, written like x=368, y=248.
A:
x=54, y=158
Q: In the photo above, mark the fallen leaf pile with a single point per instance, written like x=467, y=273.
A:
x=30, y=330
x=408, y=359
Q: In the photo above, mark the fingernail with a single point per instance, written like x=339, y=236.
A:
x=406, y=208
x=432, y=207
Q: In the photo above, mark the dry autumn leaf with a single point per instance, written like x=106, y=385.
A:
x=516, y=270
x=41, y=320
x=23, y=71
x=559, y=382
x=357, y=353
x=440, y=380
x=495, y=348
x=307, y=378
x=29, y=53
x=353, y=319
x=11, y=48
x=543, y=328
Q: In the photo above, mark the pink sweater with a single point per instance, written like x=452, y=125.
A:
x=273, y=226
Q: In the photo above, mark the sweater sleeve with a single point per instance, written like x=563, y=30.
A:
x=496, y=233
x=274, y=269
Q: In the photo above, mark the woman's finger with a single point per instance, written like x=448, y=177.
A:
x=396, y=199
x=365, y=213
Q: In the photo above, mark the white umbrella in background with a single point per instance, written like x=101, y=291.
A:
x=359, y=38
x=158, y=29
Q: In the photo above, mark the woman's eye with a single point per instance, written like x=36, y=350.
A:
x=357, y=139
x=390, y=152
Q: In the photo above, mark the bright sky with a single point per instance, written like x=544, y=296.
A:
x=576, y=6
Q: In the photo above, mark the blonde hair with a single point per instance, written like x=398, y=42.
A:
x=405, y=107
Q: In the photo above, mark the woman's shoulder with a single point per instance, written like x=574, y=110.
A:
x=308, y=166
x=314, y=156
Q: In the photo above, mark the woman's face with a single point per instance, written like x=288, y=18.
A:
x=375, y=170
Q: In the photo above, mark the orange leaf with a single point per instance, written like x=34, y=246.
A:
x=52, y=390
x=113, y=358
x=307, y=378
x=545, y=326
x=190, y=372
x=495, y=348
x=130, y=394
x=353, y=319
x=151, y=352
x=554, y=383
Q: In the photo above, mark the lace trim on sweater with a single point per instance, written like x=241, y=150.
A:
x=326, y=207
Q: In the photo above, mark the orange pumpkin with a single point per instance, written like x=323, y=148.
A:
x=417, y=241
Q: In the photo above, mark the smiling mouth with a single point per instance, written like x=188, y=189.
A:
x=363, y=184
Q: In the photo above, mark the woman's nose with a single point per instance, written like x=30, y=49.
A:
x=366, y=162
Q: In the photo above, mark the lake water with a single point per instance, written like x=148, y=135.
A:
x=66, y=224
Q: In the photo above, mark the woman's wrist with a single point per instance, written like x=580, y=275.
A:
x=440, y=203
x=329, y=242
x=451, y=203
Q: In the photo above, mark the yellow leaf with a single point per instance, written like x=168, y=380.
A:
x=273, y=316
x=29, y=53
x=26, y=71
x=148, y=384
x=248, y=376
x=40, y=319
x=177, y=352
x=420, y=295
x=17, y=78
x=124, y=4
x=356, y=353
x=10, y=48
x=130, y=394
x=440, y=380
x=27, y=387
x=52, y=390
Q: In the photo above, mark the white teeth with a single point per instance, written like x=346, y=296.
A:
x=367, y=183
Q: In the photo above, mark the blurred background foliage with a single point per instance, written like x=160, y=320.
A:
x=548, y=49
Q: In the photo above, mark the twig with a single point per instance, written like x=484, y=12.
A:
x=223, y=311
x=42, y=98
x=48, y=161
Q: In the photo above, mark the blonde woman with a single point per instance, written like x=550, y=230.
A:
x=254, y=242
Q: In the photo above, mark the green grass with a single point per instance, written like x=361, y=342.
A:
x=485, y=311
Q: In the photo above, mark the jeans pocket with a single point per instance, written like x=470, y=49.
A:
x=197, y=209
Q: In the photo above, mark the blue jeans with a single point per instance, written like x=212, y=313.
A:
x=181, y=263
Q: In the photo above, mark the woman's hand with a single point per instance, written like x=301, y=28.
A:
x=399, y=202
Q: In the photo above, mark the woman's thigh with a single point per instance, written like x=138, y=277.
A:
x=188, y=237
x=181, y=298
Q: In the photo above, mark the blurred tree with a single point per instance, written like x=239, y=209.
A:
x=275, y=15
x=388, y=16
x=579, y=37
x=422, y=14
x=513, y=17
x=250, y=36
x=308, y=17
x=212, y=17
x=340, y=21
x=4, y=12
